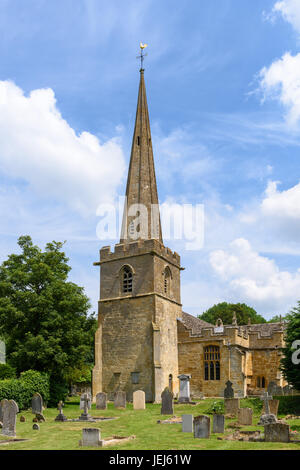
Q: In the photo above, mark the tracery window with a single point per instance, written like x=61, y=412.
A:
x=126, y=279
x=212, y=363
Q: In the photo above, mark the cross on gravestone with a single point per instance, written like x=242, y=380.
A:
x=265, y=398
x=228, y=392
x=60, y=416
x=85, y=415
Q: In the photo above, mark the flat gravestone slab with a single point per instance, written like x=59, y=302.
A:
x=218, y=423
x=245, y=416
x=139, y=402
x=277, y=432
x=187, y=423
x=232, y=406
x=90, y=437
x=202, y=427
x=167, y=402
x=101, y=401
x=120, y=399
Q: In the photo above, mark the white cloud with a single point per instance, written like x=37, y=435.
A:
x=290, y=11
x=255, y=278
x=281, y=81
x=284, y=204
x=39, y=147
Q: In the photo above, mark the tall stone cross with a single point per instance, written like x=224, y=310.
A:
x=86, y=401
x=60, y=407
x=265, y=398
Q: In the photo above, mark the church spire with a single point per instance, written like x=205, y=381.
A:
x=143, y=221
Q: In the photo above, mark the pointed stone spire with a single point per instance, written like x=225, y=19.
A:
x=142, y=221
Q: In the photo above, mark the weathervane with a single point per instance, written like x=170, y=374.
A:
x=141, y=56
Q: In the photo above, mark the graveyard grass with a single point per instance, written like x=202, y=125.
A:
x=141, y=423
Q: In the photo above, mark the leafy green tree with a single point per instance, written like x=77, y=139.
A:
x=277, y=319
x=43, y=317
x=225, y=312
x=290, y=363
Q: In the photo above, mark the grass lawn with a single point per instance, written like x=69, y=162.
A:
x=143, y=424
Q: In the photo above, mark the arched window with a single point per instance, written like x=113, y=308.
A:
x=126, y=282
x=261, y=382
x=212, y=363
x=167, y=280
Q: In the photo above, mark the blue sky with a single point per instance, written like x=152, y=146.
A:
x=223, y=91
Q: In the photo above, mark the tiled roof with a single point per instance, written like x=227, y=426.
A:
x=194, y=323
x=265, y=329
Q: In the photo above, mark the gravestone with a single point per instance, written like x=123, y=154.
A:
x=232, y=406
x=101, y=401
x=218, y=423
x=86, y=402
x=81, y=406
x=202, y=427
x=187, y=423
x=245, y=416
x=267, y=417
x=228, y=391
x=60, y=416
x=1, y=412
x=167, y=402
x=139, y=400
x=274, y=389
x=287, y=390
x=184, y=388
x=277, y=432
x=10, y=410
x=35, y=427
x=37, y=404
x=273, y=407
x=90, y=437
x=120, y=399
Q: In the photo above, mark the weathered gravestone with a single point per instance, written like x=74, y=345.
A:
x=274, y=389
x=228, y=391
x=245, y=416
x=82, y=401
x=139, y=400
x=277, y=432
x=101, y=401
x=86, y=405
x=218, y=423
x=202, y=427
x=10, y=410
x=91, y=437
x=1, y=412
x=288, y=390
x=37, y=406
x=267, y=417
x=273, y=407
x=60, y=416
x=35, y=427
x=120, y=399
x=167, y=402
x=184, y=388
x=232, y=406
x=187, y=423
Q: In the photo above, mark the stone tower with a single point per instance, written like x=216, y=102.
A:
x=136, y=340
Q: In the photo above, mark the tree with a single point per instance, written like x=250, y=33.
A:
x=277, y=319
x=290, y=363
x=225, y=312
x=43, y=317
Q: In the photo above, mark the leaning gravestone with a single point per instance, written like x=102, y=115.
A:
x=101, y=401
x=120, y=399
x=139, y=400
x=90, y=437
x=218, y=423
x=187, y=423
x=10, y=410
x=277, y=432
x=82, y=401
x=202, y=427
x=232, y=406
x=228, y=391
x=245, y=416
x=167, y=402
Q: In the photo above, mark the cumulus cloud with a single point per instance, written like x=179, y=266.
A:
x=290, y=11
x=40, y=148
x=255, y=278
x=284, y=204
x=281, y=81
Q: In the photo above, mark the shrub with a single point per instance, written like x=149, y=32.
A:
x=7, y=372
x=255, y=403
x=58, y=390
x=217, y=407
x=288, y=405
x=21, y=390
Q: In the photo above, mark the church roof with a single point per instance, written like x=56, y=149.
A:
x=265, y=329
x=141, y=182
x=193, y=323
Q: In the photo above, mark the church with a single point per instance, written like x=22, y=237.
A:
x=144, y=340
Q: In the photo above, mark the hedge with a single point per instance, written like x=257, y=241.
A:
x=288, y=404
x=21, y=390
